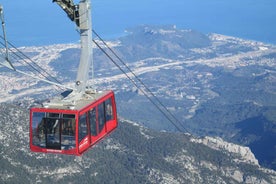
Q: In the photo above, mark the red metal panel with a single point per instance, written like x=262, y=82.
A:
x=48, y=110
x=44, y=150
x=84, y=144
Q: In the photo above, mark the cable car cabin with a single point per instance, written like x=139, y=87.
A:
x=72, y=128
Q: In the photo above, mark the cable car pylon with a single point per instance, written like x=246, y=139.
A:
x=7, y=62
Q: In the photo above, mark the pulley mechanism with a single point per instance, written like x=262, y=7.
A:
x=70, y=8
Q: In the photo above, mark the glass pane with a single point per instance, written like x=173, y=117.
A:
x=52, y=127
x=38, y=134
x=68, y=133
x=93, y=122
x=108, y=110
x=54, y=132
x=69, y=116
x=101, y=117
x=53, y=115
x=82, y=127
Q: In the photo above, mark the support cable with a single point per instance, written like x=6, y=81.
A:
x=136, y=85
x=35, y=67
x=142, y=90
x=140, y=81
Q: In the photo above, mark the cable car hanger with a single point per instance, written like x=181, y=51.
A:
x=81, y=15
x=78, y=119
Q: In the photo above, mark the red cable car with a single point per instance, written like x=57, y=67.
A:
x=72, y=128
x=79, y=119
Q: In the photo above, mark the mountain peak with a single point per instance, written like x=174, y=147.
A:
x=164, y=39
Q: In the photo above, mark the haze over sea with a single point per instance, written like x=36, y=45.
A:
x=42, y=22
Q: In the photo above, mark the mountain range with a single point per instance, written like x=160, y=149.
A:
x=132, y=154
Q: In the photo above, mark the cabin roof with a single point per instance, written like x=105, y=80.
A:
x=74, y=101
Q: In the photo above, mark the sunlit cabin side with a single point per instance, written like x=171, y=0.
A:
x=72, y=129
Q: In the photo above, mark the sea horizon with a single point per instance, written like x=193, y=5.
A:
x=50, y=25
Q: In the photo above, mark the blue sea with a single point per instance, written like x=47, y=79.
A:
x=36, y=22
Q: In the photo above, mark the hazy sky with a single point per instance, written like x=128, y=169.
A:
x=38, y=22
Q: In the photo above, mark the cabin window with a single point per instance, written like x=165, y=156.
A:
x=93, y=122
x=101, y=116
x=68, y=132
x=52, y=131
x=38, y=134
x=108, y=110
x=53, y=115
x=82, y=127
